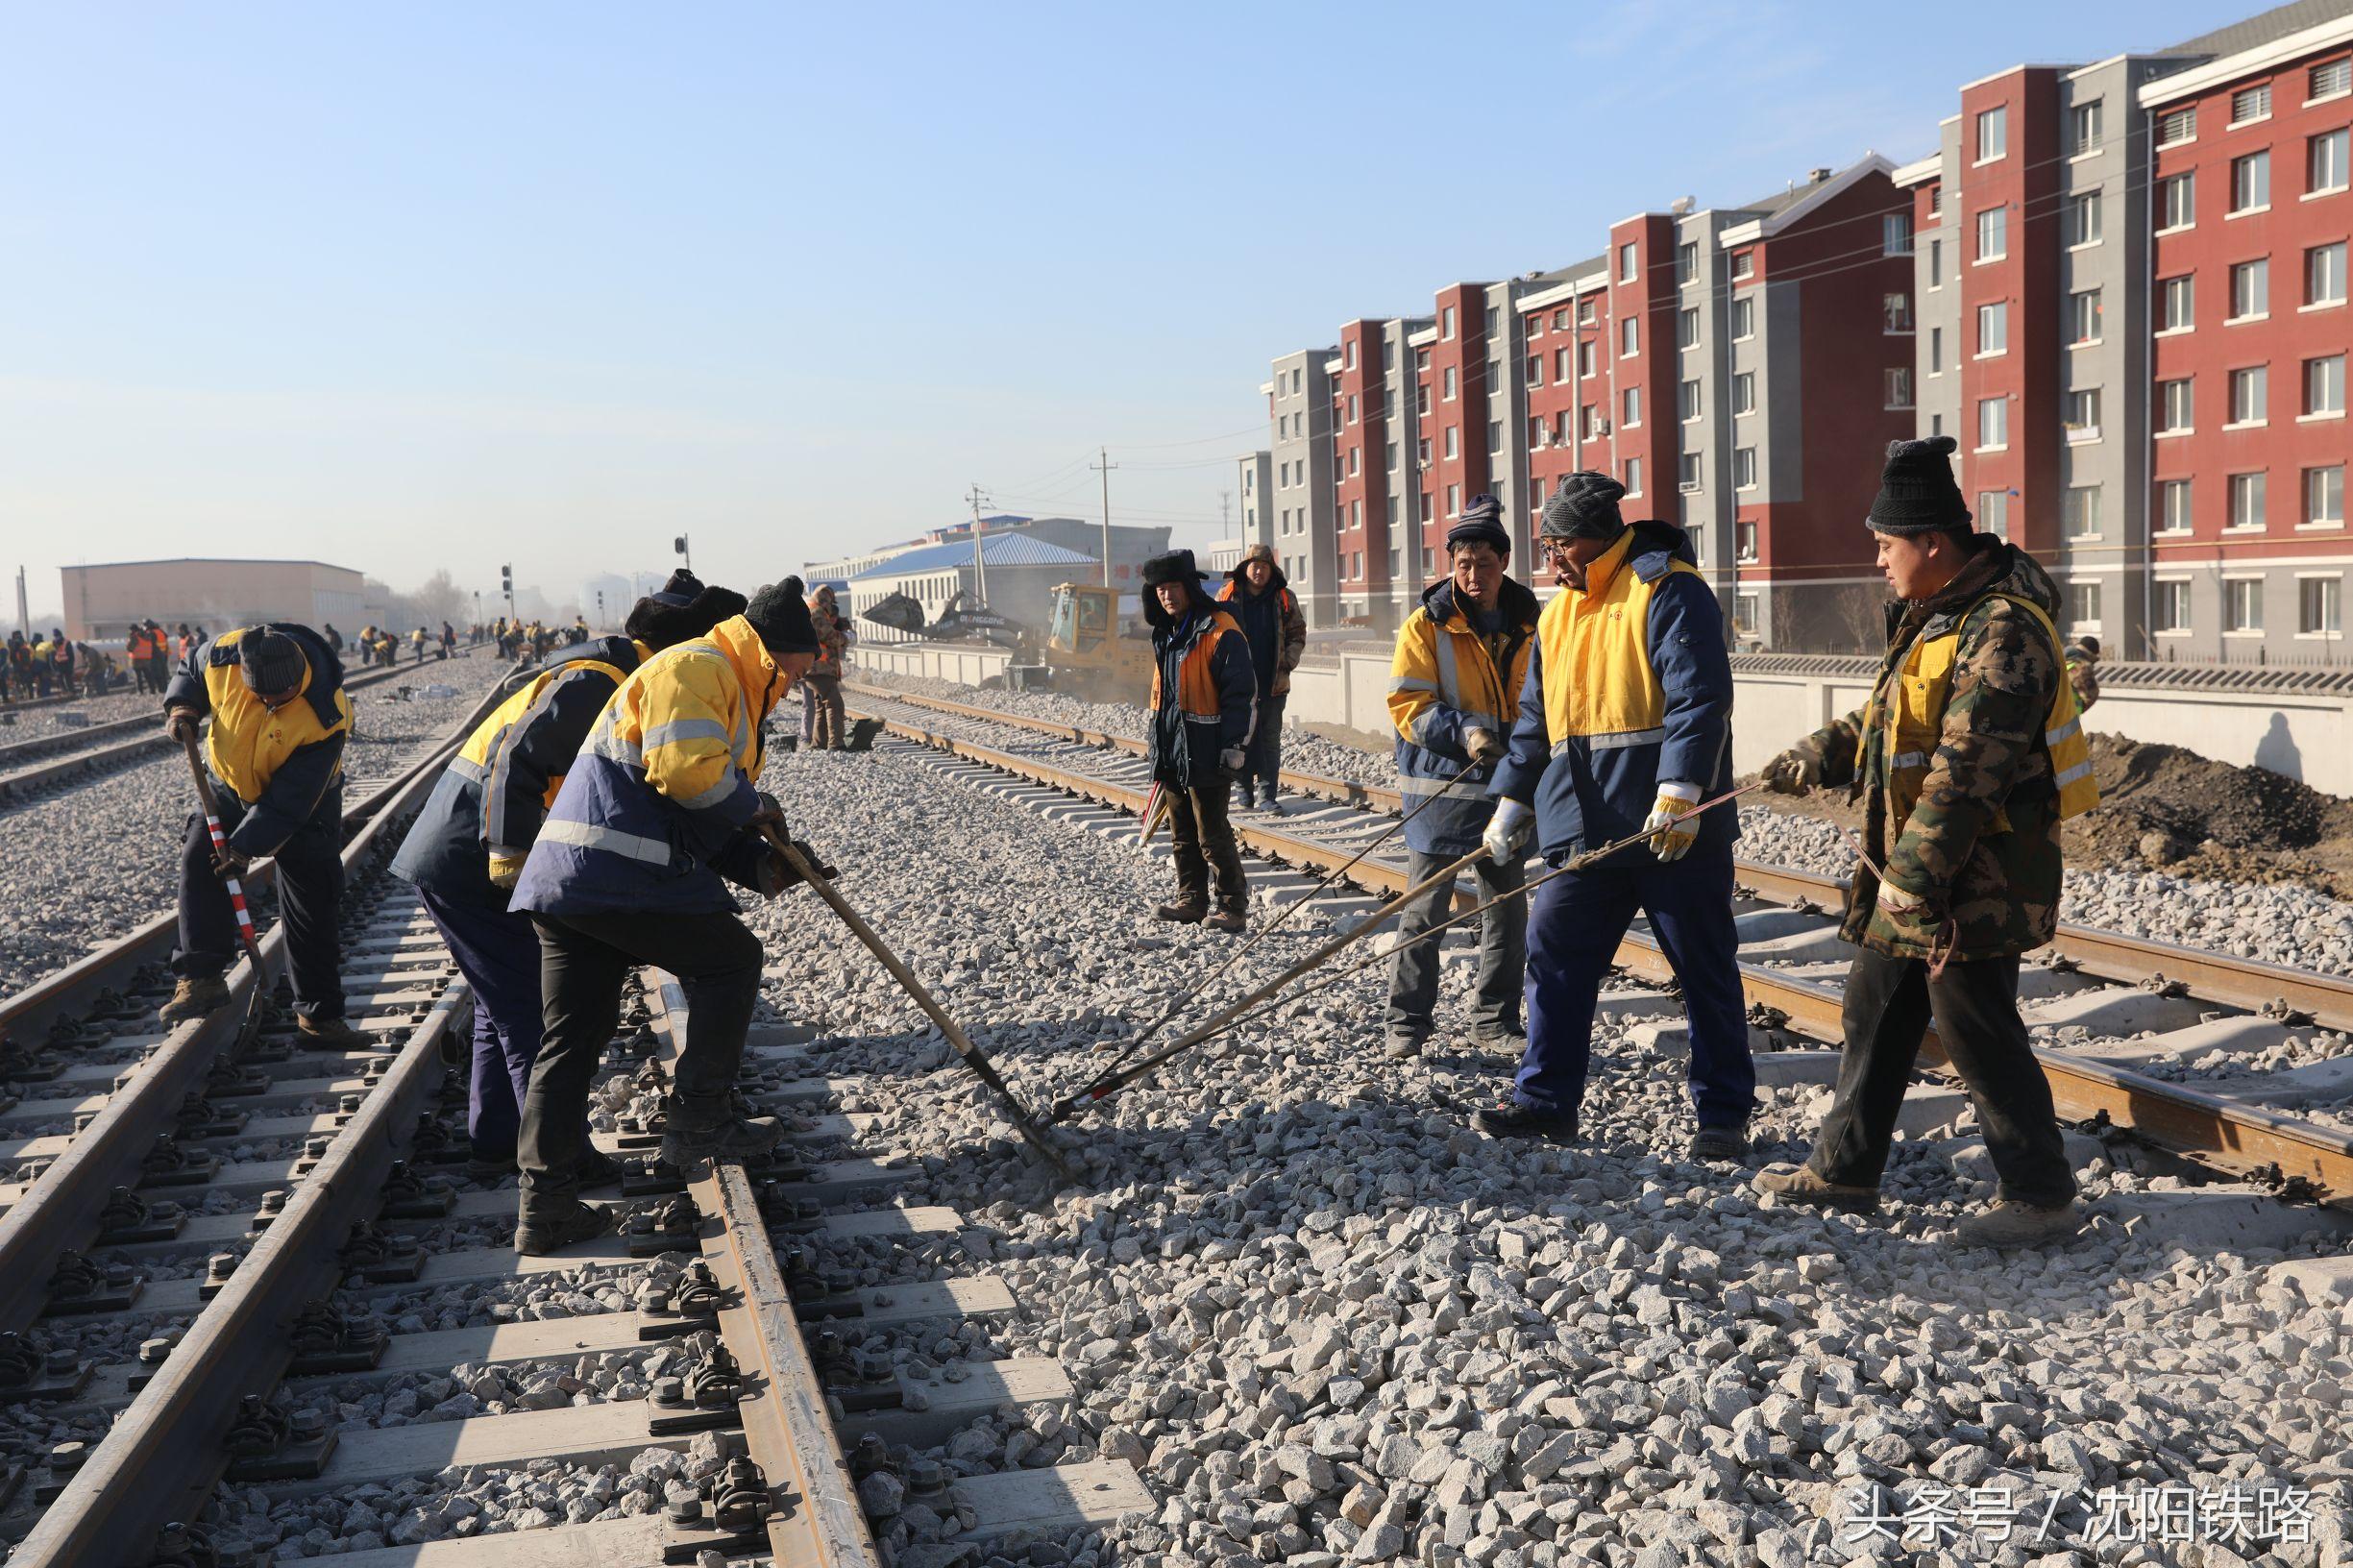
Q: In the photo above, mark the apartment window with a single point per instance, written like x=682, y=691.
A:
x=2250, y=289
x=1744, y=613
x=1392, y=511
x=2250, y=183
x=1993, y=234
x=1936, y=351
x=1536, y=429
x=2324, y=274
x=1629, y=335
x=2173, y=506
x=1392, y=457
x=1389, y=355
x=2243, y=604
x=2176, y=128
x=1453, y=501
x=1994, y=513
x=1744, y=392
x=1688, y=470
x=1899, y=387
x=1632, y=412
x=1495, y=436
x=2177, y=200
x=2320, y=607
x=1895, y=237
x=1591, y=417
x=1356, y=514
x=1295, y=375
x=1397, y=562
x=2168, y=605
x=1744, y=535
x=2324, y=497
x=1633, y=476
x=1563, y=422
x=1560, y=319
x=1446, y=324
x=1421, y=399
x=1535, y=369
x=2324, y=385
x=2324, y=159
x=1352, y=407
x=1896, y=309
x=1351, y=356
x=2177, y=303
x=1992, y=134
x=1424, y=505
x=2079, y=221
x=1686, y=261
x=1451, y=386
x=2083, y=605
x=1627, y=263
x=2330, y=80
x=1687, y=401
x=2083, y=127
x=1687, y=329
x=1993, y=329
x=1388, y=405
x=1744, y=265
x=1744, y=478
x=1744, y=318
x=1992, y=423
x=1356, y=462
x=1421, y=452
x=1936, y=264
x=1560, y=365
x=1453, y=442
x=1584, y=358
x=2080, y=411
x=2179, y=408
x=2083, y=318
x=1587, y=314
x=2247, y=500
x=1493, y=321
x=2250, y=395
x=1421, y=362
x=2079, y=510
x=2250, y=104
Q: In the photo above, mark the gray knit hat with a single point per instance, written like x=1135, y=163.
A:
x=1917, y=492
x=270, y=661
x=1585, y=507
x=779, y=616
x=1481, y=524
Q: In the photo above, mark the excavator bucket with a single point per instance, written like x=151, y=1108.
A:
x=899, y=612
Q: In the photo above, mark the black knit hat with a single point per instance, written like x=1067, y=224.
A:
x=1585, y=507
x=778, y=614
x=681, y=590
x=1483, y=523
x=683, y=610
x=1917, y=492
x=1174, y=566
x=270, y=661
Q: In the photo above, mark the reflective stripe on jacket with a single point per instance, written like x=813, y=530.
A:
x=662, y=785
x=1216, y=694
x=1443, y=681
x=1630, y=684
x=281, y=765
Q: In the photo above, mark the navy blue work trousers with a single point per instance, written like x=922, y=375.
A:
x=498, y=952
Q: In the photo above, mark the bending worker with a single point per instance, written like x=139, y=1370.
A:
x=1968, y=756
x=279, y=722
x=1625, y=724
x=1460, y=659
x=468, y=846
x=659, y=805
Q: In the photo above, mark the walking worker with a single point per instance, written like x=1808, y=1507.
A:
x=1460, y=659
x=1203, y=694
x=280, y=722
x=2082, y=657
x=658, y=806
x=467, y=847
x=1259, y=600
x=827, y=721
x=1968, y=756
x=1625, y=725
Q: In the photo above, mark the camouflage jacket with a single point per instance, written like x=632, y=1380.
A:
x=2083, y=674
x=1981, y=843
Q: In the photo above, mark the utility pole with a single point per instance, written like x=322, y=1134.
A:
x=1103, y=466
x=980, y=568
x=1225, y=514
x=24, y=610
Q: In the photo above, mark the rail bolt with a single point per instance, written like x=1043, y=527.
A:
x=67, y=1456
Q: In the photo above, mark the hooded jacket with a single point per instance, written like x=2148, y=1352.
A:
x=1980, y=842
x=281, y=765
x=1204, y=692
x=494, y=792
x=1443, y=681
x=1271, y=620
x=1630, y=684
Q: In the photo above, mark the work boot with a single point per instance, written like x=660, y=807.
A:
x=193, y=997
x=334, y=1035
x=595, y=1168
x=1513, y=1119
x=1727, y=1141
x=1803, y=1184
x=490, y=1167
x=1500, y=1041
x=1233, y=916
x=2010, y=1223
x=715, y=1132
x=548, y=1223
x=1269, y=799
x=1249, y=800
x=1188, y=910
x=1404, y=1048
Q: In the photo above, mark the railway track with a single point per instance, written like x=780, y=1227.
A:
x=725, y=1375
x=30, y=767
x=2133, y=1005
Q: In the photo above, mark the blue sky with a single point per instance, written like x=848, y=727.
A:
x=432, y=284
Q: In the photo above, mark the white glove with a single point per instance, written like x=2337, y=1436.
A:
x=1232, y=758
x=1483, y=744
x=1671, y=827
x=1507, y=830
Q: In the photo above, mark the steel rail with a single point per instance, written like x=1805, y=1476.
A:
x=2236, y=1139
x=17, y=754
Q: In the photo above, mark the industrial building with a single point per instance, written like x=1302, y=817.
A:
x=103, y=601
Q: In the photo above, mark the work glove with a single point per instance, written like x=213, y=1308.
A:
x=1507, y=830
x=776, y=873
x=180, y=724
x=769, y=813
x=1483, y=745
x=1793, y=772
x=1670, y=824
x=229, y=862
x=506, y=871
x=1232, y=759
